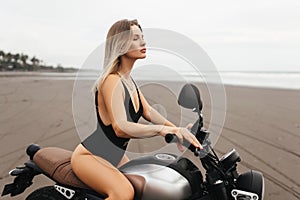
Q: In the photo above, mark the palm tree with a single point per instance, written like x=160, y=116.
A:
x=16, y=61
x=16, y=57
x=35, y=61
x=8, y=57
x=24, y=59
x=2, y=54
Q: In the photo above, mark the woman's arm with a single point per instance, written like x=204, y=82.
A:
x=113, y=95
x=151, y=115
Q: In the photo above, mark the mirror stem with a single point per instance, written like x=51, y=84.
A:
x=200, y=119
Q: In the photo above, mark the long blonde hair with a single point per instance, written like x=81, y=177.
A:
x=118, y=41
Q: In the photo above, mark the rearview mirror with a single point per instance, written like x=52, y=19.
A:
x=189, y=97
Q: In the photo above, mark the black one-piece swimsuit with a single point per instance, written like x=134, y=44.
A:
x=103, y=141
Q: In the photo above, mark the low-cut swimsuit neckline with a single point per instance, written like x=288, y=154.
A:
x=103, y=141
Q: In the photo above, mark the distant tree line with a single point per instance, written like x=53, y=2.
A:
x=22, y=62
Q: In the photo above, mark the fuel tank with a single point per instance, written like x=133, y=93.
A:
x=159, y=177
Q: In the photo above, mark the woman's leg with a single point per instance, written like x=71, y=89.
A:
x=100, y=175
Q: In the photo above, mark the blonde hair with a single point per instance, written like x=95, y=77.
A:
x=118, y=41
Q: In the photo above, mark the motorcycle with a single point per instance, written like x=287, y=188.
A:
x=161, y=176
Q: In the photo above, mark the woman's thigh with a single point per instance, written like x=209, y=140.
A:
x=98, y=173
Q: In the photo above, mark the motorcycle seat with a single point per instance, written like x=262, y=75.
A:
x=56, y=163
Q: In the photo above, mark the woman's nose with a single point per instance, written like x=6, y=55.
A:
x=143, y=43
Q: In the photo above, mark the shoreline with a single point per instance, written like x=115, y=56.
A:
x=90, y=77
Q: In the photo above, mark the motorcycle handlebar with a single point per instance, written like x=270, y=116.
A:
x=172, y=138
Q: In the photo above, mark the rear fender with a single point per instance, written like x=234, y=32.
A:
x=23, y=178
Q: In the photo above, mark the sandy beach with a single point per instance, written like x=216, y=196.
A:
x=262, y=124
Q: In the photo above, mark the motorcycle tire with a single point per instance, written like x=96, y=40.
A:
x=252, y=181
x=45, y=193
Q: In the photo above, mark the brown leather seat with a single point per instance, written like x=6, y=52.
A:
x=56, y=163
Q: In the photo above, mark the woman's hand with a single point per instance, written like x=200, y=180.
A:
x=181, y=133
x=189, y=126
x=184, y=133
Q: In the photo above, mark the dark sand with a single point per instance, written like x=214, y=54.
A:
x=263, y=125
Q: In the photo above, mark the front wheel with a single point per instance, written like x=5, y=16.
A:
x=45, y=193
x=252, y=181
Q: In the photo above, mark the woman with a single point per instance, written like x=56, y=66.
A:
x=119, y=106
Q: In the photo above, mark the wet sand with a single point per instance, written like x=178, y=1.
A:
x=262, y=124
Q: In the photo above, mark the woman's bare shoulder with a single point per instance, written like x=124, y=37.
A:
x=111, y=81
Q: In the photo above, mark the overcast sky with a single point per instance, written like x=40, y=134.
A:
x=236, y=34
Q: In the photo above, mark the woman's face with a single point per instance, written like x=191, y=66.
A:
x=137, y=49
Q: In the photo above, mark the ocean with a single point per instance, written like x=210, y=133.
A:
x=283, y=80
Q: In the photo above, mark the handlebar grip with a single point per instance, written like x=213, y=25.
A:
x=171, y=138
